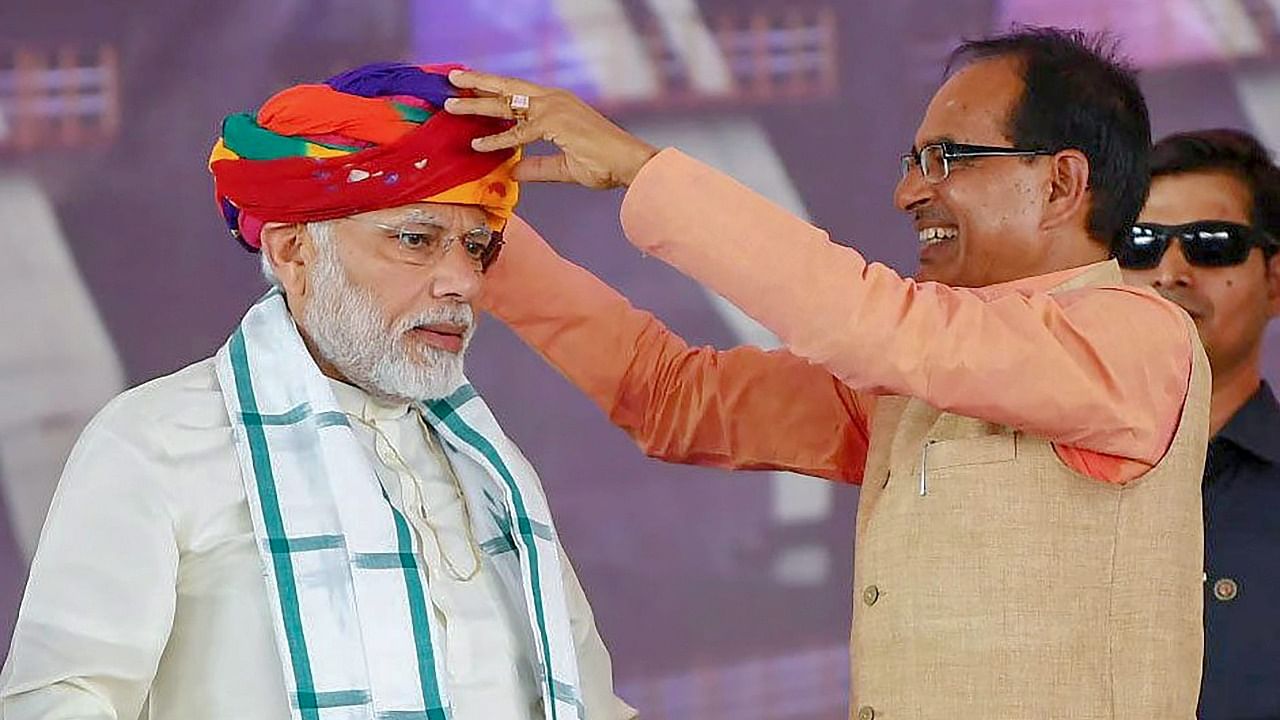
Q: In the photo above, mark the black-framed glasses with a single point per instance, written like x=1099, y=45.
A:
x=1207, y=243
x=934, y=160
x=426, y=242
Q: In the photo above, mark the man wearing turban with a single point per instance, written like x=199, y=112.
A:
x=324, y=520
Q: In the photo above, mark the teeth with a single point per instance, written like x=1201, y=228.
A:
x=932, y=235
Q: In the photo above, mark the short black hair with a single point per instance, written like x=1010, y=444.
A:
x=1235, y=152
x=1078, y=93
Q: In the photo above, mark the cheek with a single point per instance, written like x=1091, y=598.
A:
x=1240, y=310
x=1017, y=206
x=996, y=229
x=991, y=207
x=1236, y=295
x=388, y=302
x=401, y=306
x=399, y=290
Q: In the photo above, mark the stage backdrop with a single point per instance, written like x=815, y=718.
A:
x=721, y=595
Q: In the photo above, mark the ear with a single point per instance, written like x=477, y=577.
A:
x=1273, y=285
x=288, y=247
x=1068, y=200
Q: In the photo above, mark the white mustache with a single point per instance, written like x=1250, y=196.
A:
x=460, y=315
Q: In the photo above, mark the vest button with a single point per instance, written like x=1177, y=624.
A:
x=870, y=595
x=866, y=712
x=1226, y=589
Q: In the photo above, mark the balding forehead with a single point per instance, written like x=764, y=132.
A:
x=975, y=104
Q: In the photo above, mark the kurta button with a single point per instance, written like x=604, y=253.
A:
x=866, y=712
x=870, y=596
x=1226, y=589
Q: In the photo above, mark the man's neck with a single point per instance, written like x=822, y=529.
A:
x=1068, y=252
x=1232, y=388
x=1074, y=250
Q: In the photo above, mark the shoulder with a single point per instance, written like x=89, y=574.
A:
x=1140, y=301
x=151, y=416
x=1146, y=352
x=141, y=453
x=1137, y=315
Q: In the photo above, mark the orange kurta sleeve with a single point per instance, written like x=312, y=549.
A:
x=743, y=408
x=1100, y=372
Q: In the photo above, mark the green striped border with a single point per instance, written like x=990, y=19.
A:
x=306, y=698
x=497, y=546
x=340, y=698
x=282, y=562
x=296, y=415
x=446, y=412
x=407, y=561
x=569, y=694
x=305, y=543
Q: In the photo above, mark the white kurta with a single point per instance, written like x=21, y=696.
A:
x=147, y=581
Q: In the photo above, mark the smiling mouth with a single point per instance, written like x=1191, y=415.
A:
x=934, y=235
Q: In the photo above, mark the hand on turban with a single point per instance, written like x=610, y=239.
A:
x=370, y=138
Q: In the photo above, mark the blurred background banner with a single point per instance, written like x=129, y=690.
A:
x=721, y=595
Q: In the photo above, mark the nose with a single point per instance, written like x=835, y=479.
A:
x=456, y=276
x=1174, y=270
x=911, y=190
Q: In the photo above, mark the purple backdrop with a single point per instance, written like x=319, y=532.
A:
x=680, y=563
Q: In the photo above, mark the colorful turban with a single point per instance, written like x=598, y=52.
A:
x=370, y=138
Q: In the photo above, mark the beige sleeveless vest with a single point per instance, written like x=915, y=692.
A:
x=992, y=581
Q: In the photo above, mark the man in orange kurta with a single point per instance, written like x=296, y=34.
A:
x=1028, y=432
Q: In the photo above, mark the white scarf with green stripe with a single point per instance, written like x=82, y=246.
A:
x=348, y=591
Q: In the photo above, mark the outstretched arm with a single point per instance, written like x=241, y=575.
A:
x=740, y=408
x=1099, y=371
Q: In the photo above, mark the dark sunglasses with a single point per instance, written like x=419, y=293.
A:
x=1208, y=243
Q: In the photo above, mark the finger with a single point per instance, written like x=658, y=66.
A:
x=543, y=168
x=495, y=107
x=521, y=134
x=497, y=84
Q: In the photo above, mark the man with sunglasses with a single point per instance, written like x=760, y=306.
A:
x=1028, y=432
x=1207, y=240
x=324, y=520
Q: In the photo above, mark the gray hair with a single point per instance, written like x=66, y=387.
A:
x=323, y=235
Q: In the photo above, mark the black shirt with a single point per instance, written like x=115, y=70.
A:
x=1242, y=565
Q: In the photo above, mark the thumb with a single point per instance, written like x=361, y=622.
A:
x=543, y=168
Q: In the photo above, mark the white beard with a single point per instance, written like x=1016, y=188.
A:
x=349, y=332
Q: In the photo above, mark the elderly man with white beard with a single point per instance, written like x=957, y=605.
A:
x=324, y=520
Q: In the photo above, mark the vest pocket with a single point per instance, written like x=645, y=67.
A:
x=942, y=454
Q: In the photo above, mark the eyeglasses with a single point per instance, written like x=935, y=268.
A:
x=425, y=243
x=1207, y=243
x=934, y=160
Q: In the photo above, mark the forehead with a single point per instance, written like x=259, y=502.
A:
x=1191, y=196
x=974, y=105
x=440, y=213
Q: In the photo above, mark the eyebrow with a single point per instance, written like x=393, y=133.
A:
x=419, y=216
x=939, y=140
x=425, y=217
